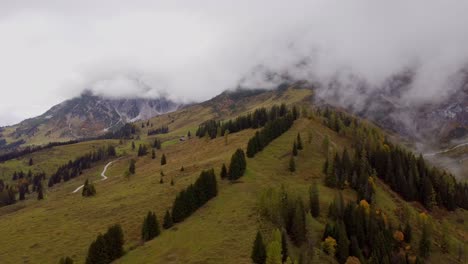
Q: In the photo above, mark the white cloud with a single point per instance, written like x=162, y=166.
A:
x=192, y=50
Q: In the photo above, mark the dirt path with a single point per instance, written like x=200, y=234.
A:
x=103, y=175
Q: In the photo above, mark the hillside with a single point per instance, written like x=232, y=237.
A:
x=223, y=230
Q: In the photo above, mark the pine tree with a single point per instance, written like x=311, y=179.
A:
x=294, y=149
x=299, y=142
x=408, y=233
x=88, y=189
x=40, y=192
x=342, y=250
x=163, y=160
x=258, y=251
x=326, y=145
x=132, y=167
x=274, y=253
x=298, y=228
x=114, y=240
x=97, y=252
x=31, y=162
x=153, y=154
x=237, y=166
x=425, y=242
x=150, y=228
x=167, y=220
x=182, y=169
x=314, y=200
x=223, y=172
x=133, y=145
x=292, y=164
x=284, y=245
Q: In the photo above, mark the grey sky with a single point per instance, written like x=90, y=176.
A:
x=192, y=50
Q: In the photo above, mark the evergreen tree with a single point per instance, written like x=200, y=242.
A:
x=299, y=142
x=314, y=200
x=88, y=189
x=163, y=160
x=292, y=164
x=223, y=172
x=97, y=252
x=114, y=240
x=342, y=250
x=31, y=162
x=294, y=149
x=274, y=253
x=284, y=245
x=237, y=166
x=326, y=145
x=132, y=167
x=167, y=220
x=153, y=154
x=425, y=242
x=40, y=192
x=133, y=145
x=150, y=228
x=298, y=228
x=258, y=255
x=66, y=260
x=408, y=233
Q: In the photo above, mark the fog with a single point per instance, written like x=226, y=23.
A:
x=192, y=50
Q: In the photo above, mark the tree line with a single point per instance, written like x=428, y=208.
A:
x=157, y=131
x=407, y=174
x=31, y=149
x=271, y=131
x=75, y=168
x=259, y=118
x=194, y=196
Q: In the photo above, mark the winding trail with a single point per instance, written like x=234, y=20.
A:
x=103, y=175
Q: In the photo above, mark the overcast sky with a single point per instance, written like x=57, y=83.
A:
x=191, y=50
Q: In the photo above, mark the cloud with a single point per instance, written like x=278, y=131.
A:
x=192, y=50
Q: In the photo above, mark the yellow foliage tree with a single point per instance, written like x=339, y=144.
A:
x=352, y=260
x=329, y=246
x=365, y=205
x=399, y=236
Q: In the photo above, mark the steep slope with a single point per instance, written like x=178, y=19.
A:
x=223, y=230
x=83, y=117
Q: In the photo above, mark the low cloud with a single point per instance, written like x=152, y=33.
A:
x=191, y=50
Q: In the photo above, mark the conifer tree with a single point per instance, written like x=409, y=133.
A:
x=150, y=228
x=88, y=189
x=342, y=250
x=172, y=181
x=237, y=166
x=167, y=220
x=298, y=228
x=153, y=154
x=40, y=192
x=425, y=242
x=326, y=145
x=163, y=160
x=258, y=255
x=66, y=260
x=408, y=232
x=274, y=253
x=133, y=145
x=299, y=142
x=292, y=164
x=284, y=245
x=294, y=149
x=132, y=167
x=114, y=241
x=314, y=200
x=182, y=169
x=223, y=173
x=31, y=162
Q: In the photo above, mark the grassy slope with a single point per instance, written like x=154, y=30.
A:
x=220, y=232
x=50, y=159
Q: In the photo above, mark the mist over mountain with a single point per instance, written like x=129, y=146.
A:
x=193, y=51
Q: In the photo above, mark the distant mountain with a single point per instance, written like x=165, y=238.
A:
x=85, y=116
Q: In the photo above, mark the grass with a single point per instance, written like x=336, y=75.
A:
x=222, y=231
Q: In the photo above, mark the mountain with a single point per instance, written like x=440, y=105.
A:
x=85, y=116
x=221, y=226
